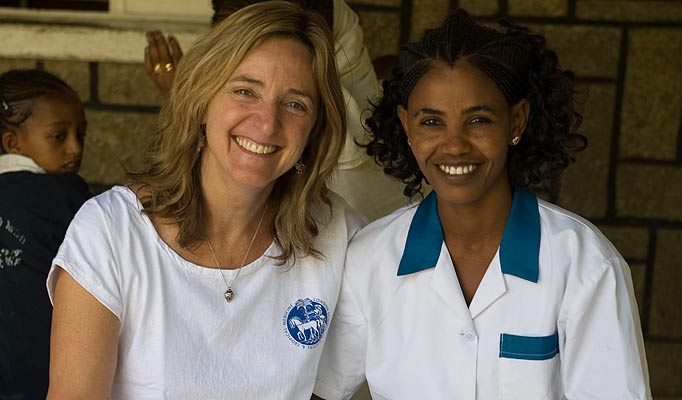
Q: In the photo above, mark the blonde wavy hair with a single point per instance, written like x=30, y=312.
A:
x=170, y=184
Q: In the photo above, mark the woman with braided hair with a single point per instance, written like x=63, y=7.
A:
x=481, y=290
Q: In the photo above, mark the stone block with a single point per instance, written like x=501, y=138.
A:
x=665, y=368
x=538, y=8
x=382, y=32
x=75, y=73
x=427, y=14
x=652, y=98
x=629, y=10
x=115, y=140
x=631, y=242
x=589, y=51
x=126, y=83
x=649, y=191
x=482, y=8
x=7, y=64
x=584, y=183
x=390, y=3
x=665, y=315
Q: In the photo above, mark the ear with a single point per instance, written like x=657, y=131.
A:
x=519, y=118
x=402, y=115
x=10, y=142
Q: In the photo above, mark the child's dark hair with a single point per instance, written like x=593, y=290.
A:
x=521, y=65
x=18, y=87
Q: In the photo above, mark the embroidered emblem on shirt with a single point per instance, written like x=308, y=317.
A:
x=10, y=258
x=305, y=322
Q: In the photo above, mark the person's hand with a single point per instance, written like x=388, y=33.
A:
x=161, y=56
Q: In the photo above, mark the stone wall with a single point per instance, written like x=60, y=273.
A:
x=628, y=56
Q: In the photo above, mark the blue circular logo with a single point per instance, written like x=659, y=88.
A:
x=307, y=320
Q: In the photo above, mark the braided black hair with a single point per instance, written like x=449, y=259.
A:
x=521, y=65
x=18, y=87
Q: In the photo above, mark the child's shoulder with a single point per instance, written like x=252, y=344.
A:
x=59, y=191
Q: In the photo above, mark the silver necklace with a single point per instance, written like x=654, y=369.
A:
x=229, y=293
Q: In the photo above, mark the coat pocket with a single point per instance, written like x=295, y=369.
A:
x=529, y=347
x=529, y=367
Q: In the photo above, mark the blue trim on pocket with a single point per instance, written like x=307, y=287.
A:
x=529, y=347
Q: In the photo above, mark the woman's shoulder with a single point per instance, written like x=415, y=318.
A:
x=570, y=231
x=386, y=232
x=117, y=196
x=396, y=220
x=111, y=204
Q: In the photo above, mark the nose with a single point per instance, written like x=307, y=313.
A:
x=74, y=145
x=269, y=119
x=455, y=141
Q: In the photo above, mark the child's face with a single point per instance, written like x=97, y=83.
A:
x=54, y=133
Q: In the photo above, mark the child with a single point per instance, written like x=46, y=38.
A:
x=482, y=291
x=42, y=127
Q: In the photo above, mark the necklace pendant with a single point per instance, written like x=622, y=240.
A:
x=229, y=294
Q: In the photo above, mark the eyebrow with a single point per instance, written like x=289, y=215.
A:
x=469, y=110
x=244, y=78
x=427, y=110
x=59, y=123
x=478, y=108
x=247, y=79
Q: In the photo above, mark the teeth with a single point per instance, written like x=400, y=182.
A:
x=460, y=170
x=254, y=147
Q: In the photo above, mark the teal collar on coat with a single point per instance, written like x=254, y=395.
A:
x=519, y=249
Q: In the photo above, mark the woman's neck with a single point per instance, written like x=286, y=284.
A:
x=473, y=233
x=232, y=212
x=478, y=222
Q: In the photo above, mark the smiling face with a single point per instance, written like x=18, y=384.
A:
x=258, y=123
x=459, y=125
x=53, y=135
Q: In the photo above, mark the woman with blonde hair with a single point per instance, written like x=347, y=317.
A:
x=215, y=273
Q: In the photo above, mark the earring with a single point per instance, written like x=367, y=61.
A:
x=515, y=140
x=299, y=166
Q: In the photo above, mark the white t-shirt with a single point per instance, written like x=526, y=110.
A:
x=179, y=338
x=554, y=316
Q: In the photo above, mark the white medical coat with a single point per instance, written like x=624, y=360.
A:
x=554, y=316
